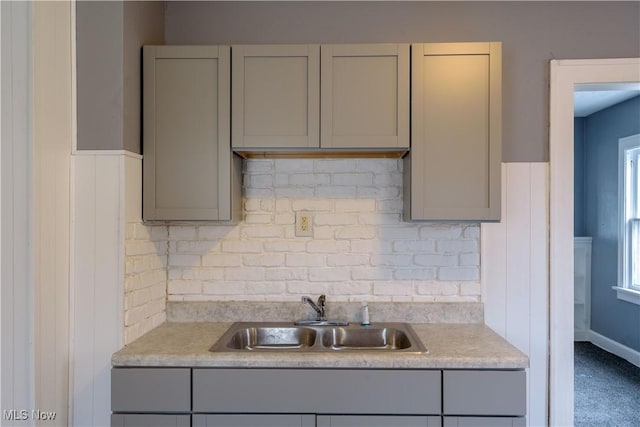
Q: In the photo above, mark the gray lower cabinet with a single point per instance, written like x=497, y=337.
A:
x=150, y=420
x=317, y=397
x=377, y=421
x=257, y=420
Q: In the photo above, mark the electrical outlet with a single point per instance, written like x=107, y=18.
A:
x=304, y=224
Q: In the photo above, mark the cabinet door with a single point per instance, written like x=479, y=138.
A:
x=377, y=421
x=261, y=420
x=275, y=96
x=484, y=422
x=455, y=132
x=484, y=393
x=151, y=390
x=150, y=420
x=187, y=157
x=365, y=96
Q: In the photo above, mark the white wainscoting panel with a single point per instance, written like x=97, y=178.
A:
x=515, y=274
x=97, y=283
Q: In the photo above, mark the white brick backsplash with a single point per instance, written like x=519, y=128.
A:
x=182, y=233
x=242, y=246
x=359, y=206
x=458, y=273
x=356, y=232
x=218, y=232
x=344, y=260
x=222, y=260
x=181, y=260
x=335, y=166
x=361, y=250
x=264, y=260
x=393, y=288
x=329, y=274
x=371, y=274
x=275, y=274
x=335, y=219
x=263, y=231
x=244, y=274
x=414, y=274
x=456, y=246
x=258, y=166
x=327, y=246
x=304, y=260
x=438, y=260
x=470, y=260
x=414, y=246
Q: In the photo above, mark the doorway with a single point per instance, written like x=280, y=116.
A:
x=565, y=75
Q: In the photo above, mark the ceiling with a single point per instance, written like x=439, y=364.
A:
x=589, y=98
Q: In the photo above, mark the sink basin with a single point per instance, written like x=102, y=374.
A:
x=272, y=338
x=372, y=338
x=287, y=337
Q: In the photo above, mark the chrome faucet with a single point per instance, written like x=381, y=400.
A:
x=319, y=308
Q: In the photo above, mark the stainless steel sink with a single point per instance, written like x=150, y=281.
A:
x=371, y=338
x=271, y=338
x=287, y=337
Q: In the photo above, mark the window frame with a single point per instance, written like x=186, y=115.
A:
x=628, y=217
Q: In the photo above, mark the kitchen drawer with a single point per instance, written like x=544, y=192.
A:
x=484, y=392
x=151, y=390
x=377, y=421
x=484, y=422
x=150, y=420
x=317, y=391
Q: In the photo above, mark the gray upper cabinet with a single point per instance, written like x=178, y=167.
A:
x=283, y=97
x=453, y=170
x=275, y=96
x=365, y=96
x=189, y=172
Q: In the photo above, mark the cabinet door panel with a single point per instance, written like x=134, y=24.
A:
x=484, y=393
x=317, y=391
x=365, y=96
x=484, y=422
x=186, y=133
x=150, y=420
x=456, y=131
x=376, y=421
x=275, y=96
x=151, y=390
x=260, y=420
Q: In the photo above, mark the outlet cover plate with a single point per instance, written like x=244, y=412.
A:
x=304, y=224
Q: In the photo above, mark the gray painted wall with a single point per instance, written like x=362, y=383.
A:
x=109, y=37
x=578, y=176
x=532, y=33
x=611, y=317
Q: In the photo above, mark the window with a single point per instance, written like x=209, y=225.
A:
x=629, y=210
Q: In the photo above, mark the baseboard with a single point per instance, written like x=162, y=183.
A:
x=581, y=336
x=620, y=350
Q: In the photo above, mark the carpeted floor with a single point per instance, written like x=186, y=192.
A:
x=607, y=388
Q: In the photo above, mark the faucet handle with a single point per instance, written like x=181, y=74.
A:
x=321, y=300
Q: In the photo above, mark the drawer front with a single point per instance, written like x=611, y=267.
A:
x=150, y=420
x=484, y=393
x=262, y=420
x=150, y=390
x=484, y=422
x=377, y=421
x=317, y=391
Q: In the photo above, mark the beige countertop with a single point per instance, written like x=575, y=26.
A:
x=449, y=346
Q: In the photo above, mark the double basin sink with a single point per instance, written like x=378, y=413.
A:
x=288, y=337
